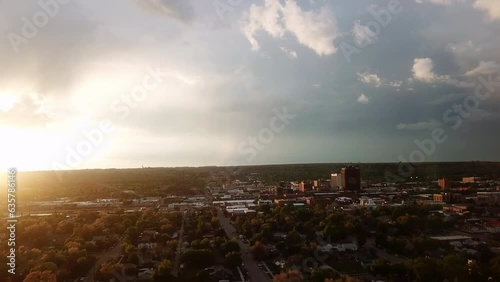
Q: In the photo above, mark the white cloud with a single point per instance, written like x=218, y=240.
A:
x=314, y=29
x=491, y=7
x=26, y=110
x=362, y=34
x=370, y=78
x=396, y=83
x=423, y=70
x=466, y=54
x=462, y=48
x=424, y=125
x=484, y=68
x=290, y=53
x=362, y=99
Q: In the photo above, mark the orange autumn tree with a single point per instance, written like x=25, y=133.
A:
x=39, y=276
x=291, y=276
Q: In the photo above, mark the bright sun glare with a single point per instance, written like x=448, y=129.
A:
x=7, y=101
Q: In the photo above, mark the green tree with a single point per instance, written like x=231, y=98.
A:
x=426, y=270
x=230, y=246
x=293, y=238
x=259, y=251
x=495, y=266
x=198, y=258
x=163, y=270
x=454, y=266
x=321, y=274
x=233, y=259
x=165, y=266
x=202, y=276
x=132, y=233
x=361, y=238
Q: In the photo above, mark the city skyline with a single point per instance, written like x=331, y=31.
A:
x=229, y=83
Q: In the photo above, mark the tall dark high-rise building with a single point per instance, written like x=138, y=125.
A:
x=305, y=186
x=351, y=178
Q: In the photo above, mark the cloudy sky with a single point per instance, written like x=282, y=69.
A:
x=131, y=83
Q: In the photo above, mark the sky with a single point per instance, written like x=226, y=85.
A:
x=155, y=83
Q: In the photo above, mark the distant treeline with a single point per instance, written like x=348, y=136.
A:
x=91, y=184
x=373, y=172
x=101, y=183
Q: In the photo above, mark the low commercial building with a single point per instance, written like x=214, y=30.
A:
x=488, y=198
x=449, y=198
x=444, y=183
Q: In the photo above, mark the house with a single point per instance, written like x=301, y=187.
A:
x=96, y=239
x=325, y=249
x=493, y=227
x=148, y=236
x=279, y=235
x=280, y=263
x=146, y=274
x=328, y=248
x=149, y=246
x=99, y=238
x=471, y=243
x=367, y=263
x=219, y=273
x=350, y=246
x=468, y=251
x=129, y=269
x=145, y=257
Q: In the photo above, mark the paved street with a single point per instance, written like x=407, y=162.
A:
x=175, y=270
x=102, y=258
x=256, y=274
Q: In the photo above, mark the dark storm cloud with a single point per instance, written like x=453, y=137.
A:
x=51, y=61
x=237, y=87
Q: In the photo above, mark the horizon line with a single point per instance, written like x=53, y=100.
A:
x=246, y=165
